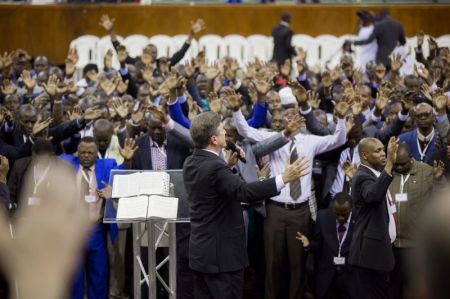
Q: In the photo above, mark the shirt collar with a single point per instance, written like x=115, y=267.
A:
x=346, y=224
x=211, y=151
x=423, y=138
x=375, y=172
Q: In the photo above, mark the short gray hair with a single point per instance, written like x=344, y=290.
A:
x=203, y=127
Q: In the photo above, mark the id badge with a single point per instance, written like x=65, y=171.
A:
x=90, y=198
x=338, y=260
x=392, y=209
x=401, y=197
x=34, y=201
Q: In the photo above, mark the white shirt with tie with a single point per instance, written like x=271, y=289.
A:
x=338, y=184
x=307, y=145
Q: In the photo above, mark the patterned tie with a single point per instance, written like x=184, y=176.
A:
x=295, y=186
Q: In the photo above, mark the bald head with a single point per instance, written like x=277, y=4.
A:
x=371, y=152
x=367, y=144
x=103, y=131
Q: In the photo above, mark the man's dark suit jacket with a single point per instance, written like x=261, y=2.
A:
x=217, y=241
x=371, y=245
x=58, y=133
x=325, y=246
x=176, y=151
x=22, y=176
x=282, y=49
x=387, y=33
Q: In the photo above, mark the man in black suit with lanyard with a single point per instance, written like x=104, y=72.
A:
x=217, y=250
x=375, y=219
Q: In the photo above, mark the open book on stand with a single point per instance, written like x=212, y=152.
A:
x=144, y=195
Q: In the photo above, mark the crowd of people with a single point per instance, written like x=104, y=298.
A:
x=348, y=160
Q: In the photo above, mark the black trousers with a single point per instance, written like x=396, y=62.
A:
x=370, y=284
x=341, y=287
x=228, y=285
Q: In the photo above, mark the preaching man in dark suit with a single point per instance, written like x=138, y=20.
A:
x=375, y=219
x=282, y=36
x=217, y=251
x=330, y=245
x=388, y=33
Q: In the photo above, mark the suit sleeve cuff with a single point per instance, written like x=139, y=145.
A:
x=304, y=112
x=402, y=117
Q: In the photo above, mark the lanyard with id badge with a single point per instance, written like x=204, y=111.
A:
x=34, y=200
x=340, y=260
x=402, y=197
x=89, y=198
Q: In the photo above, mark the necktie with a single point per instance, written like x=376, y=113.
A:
x=84, y=186
x=295, y=186
x=341, y=231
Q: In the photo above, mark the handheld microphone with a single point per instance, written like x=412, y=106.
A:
x=232, y=147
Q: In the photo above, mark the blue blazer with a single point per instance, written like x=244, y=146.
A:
x=410, y=138
x=103, y=169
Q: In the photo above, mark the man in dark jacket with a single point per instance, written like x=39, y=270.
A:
x=217, y=252
x=282, y=36
x=375, y=219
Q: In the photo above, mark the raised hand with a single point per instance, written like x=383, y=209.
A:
x=76, y=113
x=425, y=90
x=341, y=108
x=303, y=239
x=121, y=86
x=92, y=113
x=51, y=86
x=357, y=106
x=127, y=152
x=349, y=169
x=147, y=73
x=107, y=23
x=423, y=73
x=438, y=169
x=107, y=86
x=215, y=104
x=348, y=88
x=218, y=83
x=263, y=173
x=197, y=26
x=293, y=126
x=381, y=101
x=8, y=87
x=299, y=92
x=212, y=72
x=40, y=126
x=440, y=103
x=392, y=150
x=295, y=170
x=7, y=60
x=29, y=81
x=262, y=85
x=121, y=108
x=234, y=99
x=396, y=63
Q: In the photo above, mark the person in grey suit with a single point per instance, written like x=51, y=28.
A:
x=282, y=36
x=388, y=33
x=374, y=212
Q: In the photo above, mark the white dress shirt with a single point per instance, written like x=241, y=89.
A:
x=307, y=145
x=392, y=228
x=338, y=183
x=367, y=52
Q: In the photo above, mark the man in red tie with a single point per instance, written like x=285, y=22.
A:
x=330, y=246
